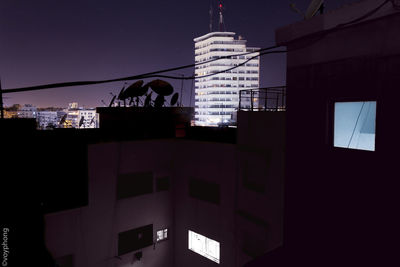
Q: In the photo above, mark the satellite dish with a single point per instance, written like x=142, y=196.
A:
x=174, y=99
x=131, y=102
x=159, y=102
x=121, y=93
x=134, y=90
x=81, y=121
x=295, y=9
x=112, y=101
x=314, y=6
x=63, y=119
x=147, y=100
x=161, y=87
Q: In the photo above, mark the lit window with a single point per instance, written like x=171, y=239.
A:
x=354, y=125
x=162, y=234
x=204, y=246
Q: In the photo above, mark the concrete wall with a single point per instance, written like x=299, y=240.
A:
x=341, y=203
x=91, y=233
x=375, y=36
x=215, y=163
x=246, y=222
x=261, y=156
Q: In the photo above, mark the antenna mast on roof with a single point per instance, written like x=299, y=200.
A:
x=211, y=17
x=221, y=18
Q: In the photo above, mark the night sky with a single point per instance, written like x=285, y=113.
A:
x=49, y=41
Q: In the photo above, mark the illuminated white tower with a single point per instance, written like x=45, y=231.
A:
x=217, y=96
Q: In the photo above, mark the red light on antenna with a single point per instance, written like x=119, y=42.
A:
x=220, y=5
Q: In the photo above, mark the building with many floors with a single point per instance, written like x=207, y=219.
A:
x=47, y=119
x=88, y=118
x=217, y=96
x=27, y=111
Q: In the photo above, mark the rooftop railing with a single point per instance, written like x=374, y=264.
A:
x=263, y=99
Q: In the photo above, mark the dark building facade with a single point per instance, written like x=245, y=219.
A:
x=341, y=202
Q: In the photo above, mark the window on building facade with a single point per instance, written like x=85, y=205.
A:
x=354, y=125
x=162, y=234
x=204, y=246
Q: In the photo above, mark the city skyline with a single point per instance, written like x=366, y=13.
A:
x=84, y=40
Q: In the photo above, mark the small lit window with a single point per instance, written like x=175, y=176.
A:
x=354, y=125
x=204, y=246
x=162, y=234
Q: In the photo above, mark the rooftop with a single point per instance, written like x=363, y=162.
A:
x=347, y=15
x=214, y=34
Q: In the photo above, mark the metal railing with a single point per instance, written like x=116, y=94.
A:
x=263, y=99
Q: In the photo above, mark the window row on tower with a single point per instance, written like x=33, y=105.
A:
x=235, y=42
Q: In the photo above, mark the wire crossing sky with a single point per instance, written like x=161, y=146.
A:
x=46, y=41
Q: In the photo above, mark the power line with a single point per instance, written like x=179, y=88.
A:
x=156, y=73
x=135, y=77
x=324, y=33
x=222, y=71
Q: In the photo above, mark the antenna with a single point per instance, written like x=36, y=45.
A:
x=314, y=6
x=1, y=102
x=147, y=101
x=174, y=99
x=221, y=18
x=62, y=119
x=112, y=101
x=295, y=9
x=81, y=121
x=211, y=17
x=159, y=102
x=92, y=121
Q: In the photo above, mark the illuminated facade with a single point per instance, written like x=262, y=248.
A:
x=217, y=96
x=90, y=118
x=27, y=111
x=47, y=119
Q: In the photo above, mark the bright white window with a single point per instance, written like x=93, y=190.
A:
x=204, y=246
x=162, y=234
x=354, y=125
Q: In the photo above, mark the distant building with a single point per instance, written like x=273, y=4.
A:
x=27, y=111
x=8, y=114
x=60, y=114
x=217, y=96
x=72, y=119
x=90, y=118
x=47, y=119
x=73, y=105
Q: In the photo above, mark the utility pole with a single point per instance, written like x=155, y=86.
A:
x=181, y=89
x=1, y=102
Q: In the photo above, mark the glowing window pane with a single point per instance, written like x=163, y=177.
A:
x=162, y=234
x=354, y=125
x=204, y=246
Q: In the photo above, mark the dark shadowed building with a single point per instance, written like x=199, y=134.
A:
x=341, y=197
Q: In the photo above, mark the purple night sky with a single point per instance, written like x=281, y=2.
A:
x=47, y=41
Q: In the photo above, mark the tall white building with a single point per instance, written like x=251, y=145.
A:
x=217, y=96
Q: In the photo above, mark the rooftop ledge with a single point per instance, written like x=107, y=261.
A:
x=211, y=34
x=331, y=19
